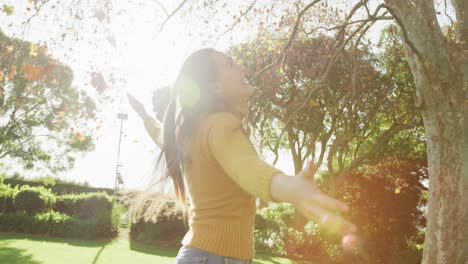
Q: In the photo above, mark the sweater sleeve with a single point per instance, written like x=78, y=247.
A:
x=233, y=151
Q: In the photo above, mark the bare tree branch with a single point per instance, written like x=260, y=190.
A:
x=280, y=57
x=172, y=14
x=162, y=7
x=37, y=8
x=242, y=14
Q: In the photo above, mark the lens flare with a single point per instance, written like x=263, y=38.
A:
x=351, y=242
x=188, y=92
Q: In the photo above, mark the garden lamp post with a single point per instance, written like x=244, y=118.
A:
x=118, y=177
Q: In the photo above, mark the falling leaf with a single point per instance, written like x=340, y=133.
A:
x=61, y=113
x=10, y=48
x=33, y=50
x=2, y=76
x=397, y=190
x=79, y=136
x=111, y=40
x=98, y=82
x=48, y=70
x=31, y=72
x=12, y=73
x=43, y=48
x=7, y=9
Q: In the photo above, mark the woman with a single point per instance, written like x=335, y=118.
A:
x=204, y=144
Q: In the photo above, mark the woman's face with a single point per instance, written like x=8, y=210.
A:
x=232, y=83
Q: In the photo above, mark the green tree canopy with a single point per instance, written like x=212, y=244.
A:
x=40, y=109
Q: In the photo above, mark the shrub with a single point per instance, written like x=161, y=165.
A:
x=85, y=205
x=56, y=224
x=92, y=213
x=274, y=234
x=6, y=198
x=94, y=205
x=33, y=199
x=169, y=227
x=168, y=230
x=52, y=223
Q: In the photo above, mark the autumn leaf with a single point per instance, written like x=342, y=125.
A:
x=43, y=48
x=7, y=9
x=48, y=70
x=98, y=82
x=79, y=136
x=9, y=49
x=2, y=76
x=12, y=73
x=33, y=50
x=32, y=72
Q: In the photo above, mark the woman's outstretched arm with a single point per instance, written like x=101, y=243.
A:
x=303, y=194
x=153, y=127
x=234, y=153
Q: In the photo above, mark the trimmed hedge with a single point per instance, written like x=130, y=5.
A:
x=56, y=224
x=6, y=198
x=58, y=188
x=168, y=230
x=85, y=216
x=33, y=199
x=85, y=205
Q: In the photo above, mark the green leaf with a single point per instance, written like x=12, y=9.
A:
x=8, y=9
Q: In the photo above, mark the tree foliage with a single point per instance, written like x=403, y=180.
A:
x=40, y=109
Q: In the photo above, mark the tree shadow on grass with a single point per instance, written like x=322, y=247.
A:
x=70, y=241
x=153, y=249
x=13, y=255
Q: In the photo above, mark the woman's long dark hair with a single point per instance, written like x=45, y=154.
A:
x=192, y=98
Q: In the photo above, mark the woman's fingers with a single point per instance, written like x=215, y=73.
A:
x=327, y=219
x=308, y=172
x=323, y=200
x=136, y=105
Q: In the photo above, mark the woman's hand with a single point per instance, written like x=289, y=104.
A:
x=152, y=126
x=304, y=195
x=137, y=106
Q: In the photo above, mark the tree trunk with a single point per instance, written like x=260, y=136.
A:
x=440, y=71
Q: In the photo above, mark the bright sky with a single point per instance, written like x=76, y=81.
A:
x=145, y=60
x=129, y=49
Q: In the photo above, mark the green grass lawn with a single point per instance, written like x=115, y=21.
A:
x=16, y=248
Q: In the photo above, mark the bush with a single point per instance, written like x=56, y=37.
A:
x=275, y=235
x=94, y=205
x=56, y=224
x=92, y=213
x=52, y=223
x=6, y=198
x=85, y=205
x=168, y=229
x=33, y=199
x=60, y=187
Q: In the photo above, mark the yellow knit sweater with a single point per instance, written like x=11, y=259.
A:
x=224, y=177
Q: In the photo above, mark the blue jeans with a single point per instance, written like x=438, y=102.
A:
x=190, y=255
